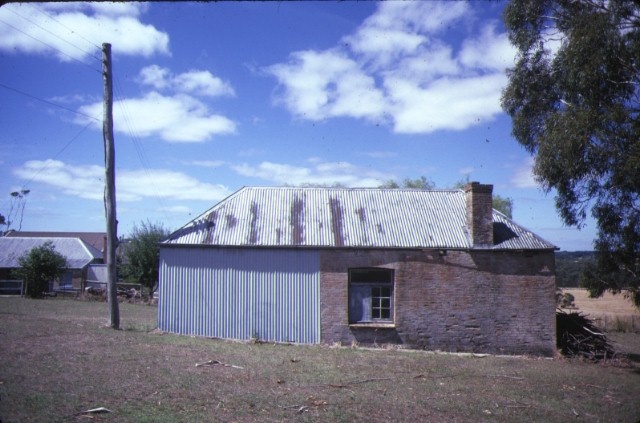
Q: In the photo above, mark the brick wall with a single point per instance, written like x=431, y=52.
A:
x=479, y=198
x=474, y=301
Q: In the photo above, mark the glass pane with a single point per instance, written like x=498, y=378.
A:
x=359, y=303
x=371, y=275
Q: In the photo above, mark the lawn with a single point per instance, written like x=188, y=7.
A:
x=59, y=360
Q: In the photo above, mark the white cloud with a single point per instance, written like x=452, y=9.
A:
x=524, y=177
x=401, y=68
x=399, y=29
x=166, y=184
x=178, y=118
x=318, y=173
x=490, y=50
x=206, y=163
x=448, y=103
x=87, y=181
x=181, y=210
x=320, y=85
x=196, y=82
x=77, y=30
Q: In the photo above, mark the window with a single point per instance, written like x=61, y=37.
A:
x=370, y=295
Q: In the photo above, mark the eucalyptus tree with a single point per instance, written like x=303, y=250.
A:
x=573, y=96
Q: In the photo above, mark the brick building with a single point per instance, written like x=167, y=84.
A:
x=436, y=269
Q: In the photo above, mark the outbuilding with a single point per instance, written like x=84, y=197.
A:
x=429, y=269
x=79, y=254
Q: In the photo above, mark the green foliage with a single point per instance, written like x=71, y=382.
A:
x=503, y=204
x=567, y=300
x=570, y=266
x=573, y=97
x=418, y=183
x=142, y=255
x=41, y=265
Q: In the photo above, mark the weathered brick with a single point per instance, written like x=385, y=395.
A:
x=476, y=301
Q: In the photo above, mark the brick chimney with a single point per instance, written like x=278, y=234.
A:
x=480, y=213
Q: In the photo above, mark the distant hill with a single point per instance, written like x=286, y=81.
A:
x=569, y=267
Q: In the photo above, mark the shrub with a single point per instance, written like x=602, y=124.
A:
x=41, y=265
x=568, y=300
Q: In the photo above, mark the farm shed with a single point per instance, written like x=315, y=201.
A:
x=79, y=255
x=432, y=269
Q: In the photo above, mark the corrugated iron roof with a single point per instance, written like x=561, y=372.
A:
x=96, y=239
x=345, y=217
x=77, y=252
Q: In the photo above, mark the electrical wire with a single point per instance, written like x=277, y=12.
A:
x=56, y=35
x=142, y=156
x=52, y=47
x=41, y=11
x=47, y=102
x=43, y=168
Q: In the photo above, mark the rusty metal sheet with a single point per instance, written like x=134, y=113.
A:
x=344, y=218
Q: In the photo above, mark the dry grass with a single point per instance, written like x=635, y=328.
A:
x=608, y=303
x=613, y=313
x=59, y=359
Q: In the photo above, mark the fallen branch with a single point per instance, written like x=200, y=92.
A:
x=347, y=384
x=217, y=363
x=578, y=336
x=99, y=410
x=507, y=377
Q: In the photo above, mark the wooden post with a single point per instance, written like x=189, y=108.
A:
x=110, y=189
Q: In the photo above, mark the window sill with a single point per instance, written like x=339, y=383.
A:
x=373, y=325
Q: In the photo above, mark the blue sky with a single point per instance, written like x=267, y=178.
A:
x=211, y=97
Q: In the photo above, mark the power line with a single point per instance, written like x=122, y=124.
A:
x=48, y=102
x=55, y=35
x=67, y=28
x=43, y=168
x=144, y=160
x=75, y=137
x=52, y=47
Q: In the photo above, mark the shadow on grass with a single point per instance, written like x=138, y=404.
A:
x=139, y=328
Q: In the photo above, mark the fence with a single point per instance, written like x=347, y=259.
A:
x=12, y=287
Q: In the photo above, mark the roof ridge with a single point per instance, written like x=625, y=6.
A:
x=263, y=187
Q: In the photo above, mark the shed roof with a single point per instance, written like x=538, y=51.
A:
x=77, y=252
x=346, y=217
x=96, y=239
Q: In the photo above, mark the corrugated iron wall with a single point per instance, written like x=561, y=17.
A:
x=273, y=295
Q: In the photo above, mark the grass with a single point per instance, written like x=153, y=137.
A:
x=59, y=359
x=613, y=313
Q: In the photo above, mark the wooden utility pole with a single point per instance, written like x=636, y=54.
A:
x=110, y=189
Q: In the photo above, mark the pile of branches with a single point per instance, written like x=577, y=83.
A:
x=578, y=336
